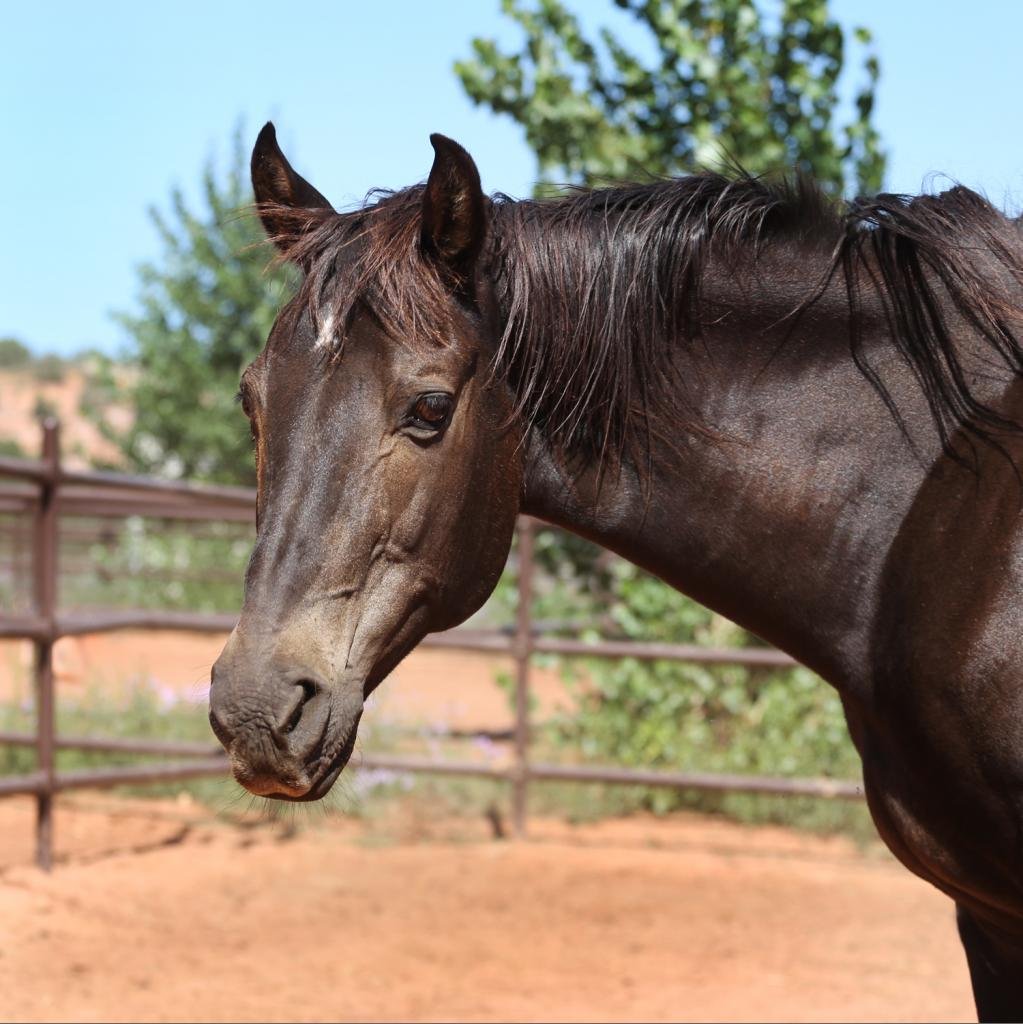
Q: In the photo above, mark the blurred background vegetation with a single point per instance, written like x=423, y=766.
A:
x=702, y=84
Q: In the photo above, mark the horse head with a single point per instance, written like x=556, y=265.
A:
x=388, y=463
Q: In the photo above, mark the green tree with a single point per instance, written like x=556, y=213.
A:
x=9, y=446
x=44, y=409
x=13, y=354
x=49, y=369
x=207, y=306
x=718, y=82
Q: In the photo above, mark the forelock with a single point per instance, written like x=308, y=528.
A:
x=369, y=260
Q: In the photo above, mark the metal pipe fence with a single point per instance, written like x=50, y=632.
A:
x=45, y=490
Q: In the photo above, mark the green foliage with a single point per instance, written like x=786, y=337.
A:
x=207, y=308
x=43, y=408
x=152, y=563
x=714, y=82
x=9, y=446
x=49, y=369
x=148, y=711
x=103, y=390
x=13, y=354
x=721, y=718
x=701, y=84
x=676, y=716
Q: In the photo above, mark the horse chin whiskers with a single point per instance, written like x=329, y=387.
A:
x=270, y=784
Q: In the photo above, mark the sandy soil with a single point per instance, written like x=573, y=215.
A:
x=159, y=911
x=82, y=441
x=163, y=911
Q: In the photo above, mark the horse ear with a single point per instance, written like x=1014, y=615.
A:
x=279, y=188
x=454, y=209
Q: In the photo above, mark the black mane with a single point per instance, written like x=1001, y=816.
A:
x=599, y=285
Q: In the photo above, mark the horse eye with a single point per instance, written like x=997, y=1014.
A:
x=431, y=412
x=243, y=399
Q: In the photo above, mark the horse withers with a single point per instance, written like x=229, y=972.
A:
x=801, y=413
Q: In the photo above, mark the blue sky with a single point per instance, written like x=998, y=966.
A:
x=107, y=105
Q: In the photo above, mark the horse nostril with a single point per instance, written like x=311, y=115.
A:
x=309, y=690
x=219, y=729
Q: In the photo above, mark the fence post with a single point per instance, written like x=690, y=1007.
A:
x=45, y=580
x=523, y=650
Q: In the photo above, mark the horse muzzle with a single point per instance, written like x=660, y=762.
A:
x=287, y=733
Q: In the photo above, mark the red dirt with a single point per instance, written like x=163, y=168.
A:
x=161, y=911
x=158, y=911
x=83, y=443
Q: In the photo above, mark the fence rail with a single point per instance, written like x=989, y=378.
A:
x=44, y=489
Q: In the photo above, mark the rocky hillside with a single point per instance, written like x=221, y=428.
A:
x=26, y=394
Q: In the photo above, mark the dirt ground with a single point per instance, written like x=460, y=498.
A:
x=82, y=441
x=160, y=911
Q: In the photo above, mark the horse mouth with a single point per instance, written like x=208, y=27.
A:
x=326, y=777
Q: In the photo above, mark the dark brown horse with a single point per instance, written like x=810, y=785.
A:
x=799, y=412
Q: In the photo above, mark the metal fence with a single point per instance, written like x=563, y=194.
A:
x=38, y=492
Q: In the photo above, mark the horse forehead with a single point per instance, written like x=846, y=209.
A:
x=369, y=351
x=308, y=355
x=377, y=368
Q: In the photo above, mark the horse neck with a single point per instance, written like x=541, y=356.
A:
x=782, y=520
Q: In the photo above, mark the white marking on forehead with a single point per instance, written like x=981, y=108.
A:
x=326, y=335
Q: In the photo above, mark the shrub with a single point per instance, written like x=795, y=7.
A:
x=9, y=446
x=49, y=369
x=13, y=354
x=684, y=716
